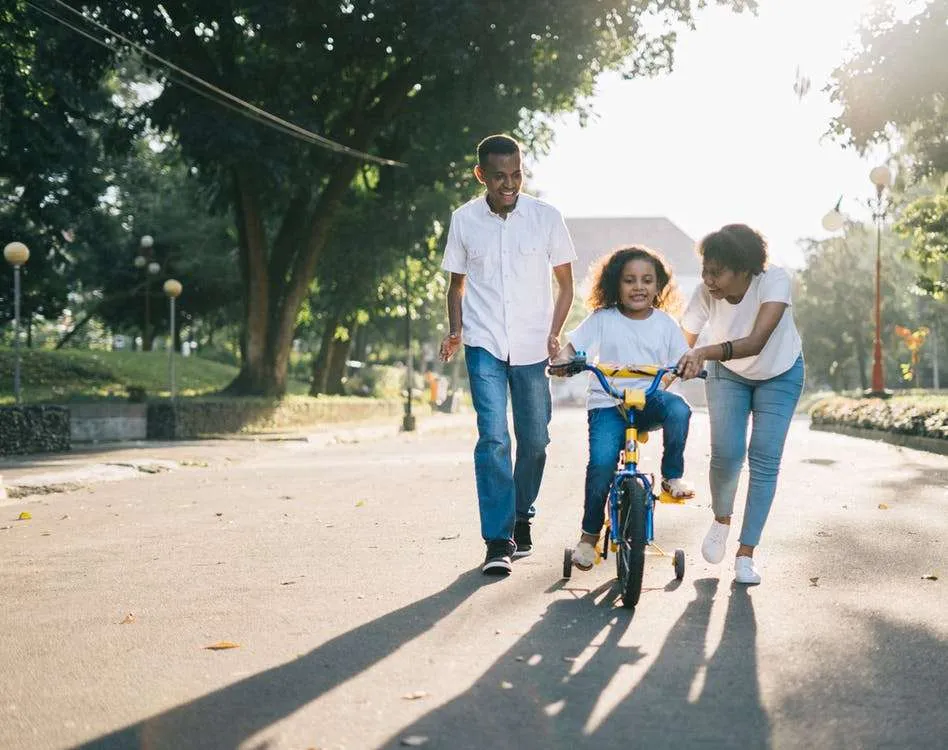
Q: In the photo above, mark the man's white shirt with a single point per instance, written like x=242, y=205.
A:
x=507, y=306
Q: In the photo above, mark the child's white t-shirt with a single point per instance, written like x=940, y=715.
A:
x=610, y=337
x=727, y=322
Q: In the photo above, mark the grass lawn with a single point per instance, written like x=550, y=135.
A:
x=81, y=375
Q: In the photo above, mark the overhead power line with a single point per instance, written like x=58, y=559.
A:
x=210, y=91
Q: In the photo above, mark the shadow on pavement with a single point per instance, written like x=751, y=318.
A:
x=568, y=691
x=229, y=716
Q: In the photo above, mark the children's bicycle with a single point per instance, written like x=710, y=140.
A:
x=630, y=525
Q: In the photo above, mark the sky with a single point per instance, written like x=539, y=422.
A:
x=723, y=138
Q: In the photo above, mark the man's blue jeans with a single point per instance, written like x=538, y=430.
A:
x=504, y=492
x=665, y=410
x=731, y=401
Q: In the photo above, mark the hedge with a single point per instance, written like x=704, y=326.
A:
x=33, y=429
x=199, y=417
x=905, y=417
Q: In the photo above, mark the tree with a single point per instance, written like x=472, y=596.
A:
x=925, y=222
x=56, y=122
x=419, y=82
x=833, y=307
x=898, y=80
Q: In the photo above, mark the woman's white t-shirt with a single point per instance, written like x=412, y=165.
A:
x=610, y=337
x=727, y=322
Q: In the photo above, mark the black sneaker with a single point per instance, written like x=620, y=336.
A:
x=497, y=562
x=522, y=538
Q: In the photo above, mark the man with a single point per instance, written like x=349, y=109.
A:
x=500, y=249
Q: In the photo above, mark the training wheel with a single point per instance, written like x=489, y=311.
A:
x=679, y=564
x=567, y=562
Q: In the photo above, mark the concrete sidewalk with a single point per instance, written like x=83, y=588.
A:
x=88, y=464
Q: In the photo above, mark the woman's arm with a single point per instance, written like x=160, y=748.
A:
x=765, y=324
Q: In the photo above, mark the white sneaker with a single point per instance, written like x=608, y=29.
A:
x=715, y=541
x=584, y=556
x=744, y=571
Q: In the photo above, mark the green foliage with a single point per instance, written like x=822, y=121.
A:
x=925, y=223
x=834, y=307
x=898, y=79
x=56, y=122
x=76, y=375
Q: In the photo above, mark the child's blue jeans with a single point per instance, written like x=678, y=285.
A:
x=607, y=437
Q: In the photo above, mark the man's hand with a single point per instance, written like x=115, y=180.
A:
x=553, y=346
x=691, y=363
x=449, y=346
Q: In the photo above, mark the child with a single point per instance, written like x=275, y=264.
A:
x=632, y=288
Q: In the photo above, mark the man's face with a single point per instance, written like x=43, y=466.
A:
x=503, y=179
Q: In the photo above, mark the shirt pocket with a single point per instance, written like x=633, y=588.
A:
x=479, y=264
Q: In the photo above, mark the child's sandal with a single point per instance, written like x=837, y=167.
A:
x=678, y=489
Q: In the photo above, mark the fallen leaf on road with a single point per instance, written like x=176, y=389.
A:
x=883, y=506
x=360, y=503
x=929, y=577
x=521, y=658
x=45, y=533
x=24, y=516
x=221, y=646
x=129, y=619
x=415, y=740
x=64, y=517
x=506, y=685
x=814, y=581
x=287, y=583
x=449, y=538
x=218, y=514
x=415, y=695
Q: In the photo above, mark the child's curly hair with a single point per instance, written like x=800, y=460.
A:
x=606, y=275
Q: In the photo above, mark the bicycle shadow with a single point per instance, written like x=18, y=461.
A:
x=562, y=700
x=227, y=717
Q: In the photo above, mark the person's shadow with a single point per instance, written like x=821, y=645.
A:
x=571, y=658
x=229, y=716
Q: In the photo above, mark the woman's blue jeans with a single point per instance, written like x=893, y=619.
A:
x=607, y=437
x=504, y=492
x=732, y=400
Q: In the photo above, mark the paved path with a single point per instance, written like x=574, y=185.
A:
x=346, y=571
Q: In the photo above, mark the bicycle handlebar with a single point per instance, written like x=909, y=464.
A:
x=577, y=364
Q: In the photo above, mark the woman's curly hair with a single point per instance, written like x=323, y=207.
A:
x=606, y=275
x=737, y=247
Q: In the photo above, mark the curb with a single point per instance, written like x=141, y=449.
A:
x=916, y=442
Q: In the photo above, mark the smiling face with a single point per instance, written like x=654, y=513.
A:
x=503, y=178
x=638, y=288
x=724, y=282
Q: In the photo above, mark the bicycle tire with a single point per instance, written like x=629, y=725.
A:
x=630, y=556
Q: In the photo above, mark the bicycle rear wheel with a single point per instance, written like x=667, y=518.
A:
x=630, y=556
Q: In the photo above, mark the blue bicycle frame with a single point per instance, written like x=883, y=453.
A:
x=633, y=400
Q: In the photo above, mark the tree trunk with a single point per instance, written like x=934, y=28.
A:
x=861, y=364
x=321, y=360
x=291, y=267
x=336, y=366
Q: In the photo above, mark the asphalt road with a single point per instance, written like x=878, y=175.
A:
x=346, y=572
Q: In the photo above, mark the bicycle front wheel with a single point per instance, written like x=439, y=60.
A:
x=630, y=557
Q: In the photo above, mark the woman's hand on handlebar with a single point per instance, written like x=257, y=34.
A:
x=691, y=364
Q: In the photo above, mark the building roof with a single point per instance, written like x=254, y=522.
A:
x=597, y=236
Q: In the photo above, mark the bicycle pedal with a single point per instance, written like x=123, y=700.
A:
x=668, y=498
x=613, y=547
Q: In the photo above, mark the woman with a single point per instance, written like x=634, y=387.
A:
x=755, y=367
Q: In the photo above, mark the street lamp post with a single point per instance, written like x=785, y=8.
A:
x=143, y=260
x=173, y=289
x=881, y=177
x=833, y=221
x=408, y=422
x=16, y=254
